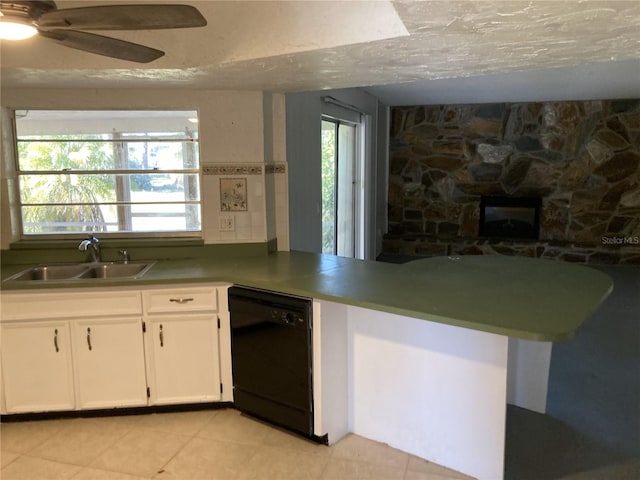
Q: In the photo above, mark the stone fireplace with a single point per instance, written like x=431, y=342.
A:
x=580, y=160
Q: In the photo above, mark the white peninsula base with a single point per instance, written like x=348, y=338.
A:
x=429, y=389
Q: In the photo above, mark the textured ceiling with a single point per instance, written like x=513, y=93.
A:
x=297, y=46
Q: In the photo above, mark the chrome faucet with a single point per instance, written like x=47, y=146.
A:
x=93, y=245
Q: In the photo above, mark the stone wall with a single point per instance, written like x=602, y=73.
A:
x=582, y=158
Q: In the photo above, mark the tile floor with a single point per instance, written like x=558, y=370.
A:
x=212, y=444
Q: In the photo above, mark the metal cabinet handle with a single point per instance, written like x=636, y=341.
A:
x=89, y=338
x=55, y=340
x=161, y=336
x=181, y=300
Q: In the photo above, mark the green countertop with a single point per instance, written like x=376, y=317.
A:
x=514, y=296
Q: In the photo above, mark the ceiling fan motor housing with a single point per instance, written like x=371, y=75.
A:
x=27, y=9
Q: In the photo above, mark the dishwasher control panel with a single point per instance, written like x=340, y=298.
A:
x=288, y=317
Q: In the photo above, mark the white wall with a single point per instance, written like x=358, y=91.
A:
x=276, y=185
x=330, y=369
x=232, y=132
x=528, y=378
x=304, y=115
x=433, y=390
x=8, y=219
x=278, y=106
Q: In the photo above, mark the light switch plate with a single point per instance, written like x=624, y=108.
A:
x=227, y=223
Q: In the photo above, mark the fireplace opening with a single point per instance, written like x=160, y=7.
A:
x=510, y=217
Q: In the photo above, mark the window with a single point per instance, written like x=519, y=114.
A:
x=108, y=172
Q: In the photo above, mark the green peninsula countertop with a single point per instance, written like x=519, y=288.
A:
x=514, y=296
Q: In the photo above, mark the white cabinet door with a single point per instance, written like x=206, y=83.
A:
x=37, y=366
x=109, y=362
x=182, y=358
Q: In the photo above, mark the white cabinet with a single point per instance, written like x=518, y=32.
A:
x=183, y=362
x=87, y=348
x=182, y=344
x=46, y=362
x=109, y=359
x=37, y=366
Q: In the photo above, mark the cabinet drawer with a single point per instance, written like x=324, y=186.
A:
x=69, y=304
x=203, y=299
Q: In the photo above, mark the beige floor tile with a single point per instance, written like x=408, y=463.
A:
x=7, y=457
x=22, y=437
x=281, y=438
x=419, y=465
x=231, y=426
x=272, y=463
x=123, y=420
x=204, y=445
x=95, y=474
x=80, y=441
x=141, y=452
x=354, y=447
x=31, y=468
x=202, y=458
x=341, y=469
x=181, y=423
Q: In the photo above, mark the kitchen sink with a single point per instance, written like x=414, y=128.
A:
x=117, y=270
x=82, y=271
x=50, y=272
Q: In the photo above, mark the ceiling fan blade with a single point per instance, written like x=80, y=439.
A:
x=107, y=46
x=124, y=17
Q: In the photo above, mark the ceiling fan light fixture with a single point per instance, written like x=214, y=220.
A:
x=21, y=19
x=15, y=27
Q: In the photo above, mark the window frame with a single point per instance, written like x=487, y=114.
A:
x=180, y=235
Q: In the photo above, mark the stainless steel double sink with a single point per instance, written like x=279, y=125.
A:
x=83, y=271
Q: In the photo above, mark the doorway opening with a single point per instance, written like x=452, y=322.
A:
x=342, y=228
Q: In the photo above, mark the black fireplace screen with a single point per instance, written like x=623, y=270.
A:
x=510, y=217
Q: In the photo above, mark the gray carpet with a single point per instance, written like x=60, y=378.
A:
x=592, y=426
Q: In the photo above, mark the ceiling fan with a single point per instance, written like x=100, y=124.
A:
x=66, y=26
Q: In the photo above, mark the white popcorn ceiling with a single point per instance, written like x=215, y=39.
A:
x=299, y=46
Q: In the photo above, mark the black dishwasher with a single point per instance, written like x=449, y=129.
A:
x=271, y=348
